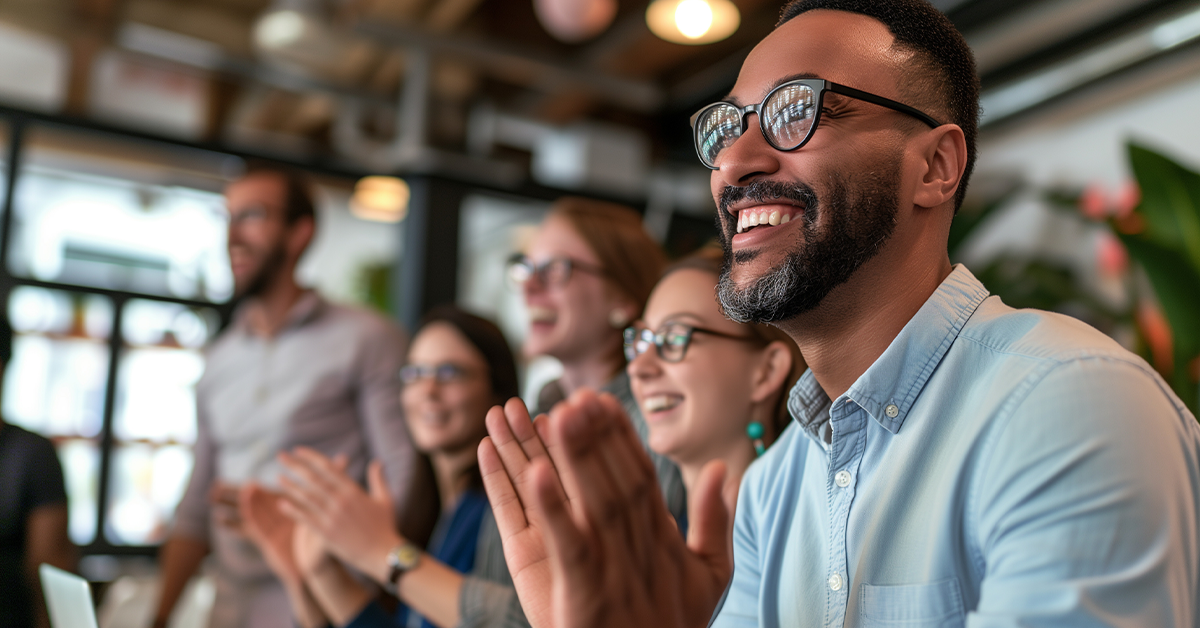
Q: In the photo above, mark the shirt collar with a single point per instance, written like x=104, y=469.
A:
x=305, y=309
x=899, y=375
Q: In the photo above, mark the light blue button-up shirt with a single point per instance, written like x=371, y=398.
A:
x=994, y=467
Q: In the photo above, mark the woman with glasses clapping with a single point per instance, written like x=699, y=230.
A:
x=585, y=276
x=459, y=365
x=709, y=388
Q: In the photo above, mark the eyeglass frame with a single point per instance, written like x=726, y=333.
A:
x=659, y=339
x=434, y=371
x=819, y=86
x=539, y=270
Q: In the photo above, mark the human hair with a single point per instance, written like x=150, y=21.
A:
x=630, y=258
x=297, y=190
x=709, y=259
x=487, y=338
x=942, y=77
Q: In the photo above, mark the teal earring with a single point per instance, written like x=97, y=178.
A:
x=755, y=431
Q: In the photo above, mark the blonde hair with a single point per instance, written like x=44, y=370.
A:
x=710, y=259
x=630, y=258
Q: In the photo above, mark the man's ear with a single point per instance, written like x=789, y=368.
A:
x=300, y=234
x=944, y=158
x=772, y=372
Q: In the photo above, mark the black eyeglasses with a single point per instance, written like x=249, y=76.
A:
x=441, y=373
x=671, y=341
x=787, y=117
x=553, y=272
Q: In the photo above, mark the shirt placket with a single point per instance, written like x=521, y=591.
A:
x=847, y=420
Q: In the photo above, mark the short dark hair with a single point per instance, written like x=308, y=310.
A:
x=298, y=195
x=940, y=52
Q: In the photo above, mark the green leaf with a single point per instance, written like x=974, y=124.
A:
x=1170, y=202
x=1177, y=285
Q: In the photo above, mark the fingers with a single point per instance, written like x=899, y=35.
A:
x=708, y=530
x=506, y=504
x=566, y=544
x=376, y=484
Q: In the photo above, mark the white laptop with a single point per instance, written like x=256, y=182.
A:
x=68, y=597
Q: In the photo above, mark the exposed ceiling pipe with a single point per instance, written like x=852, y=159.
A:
x=523, y=67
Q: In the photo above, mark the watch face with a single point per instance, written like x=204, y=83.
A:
x=407, y=556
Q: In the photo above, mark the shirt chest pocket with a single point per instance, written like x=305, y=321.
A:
x=934, y=605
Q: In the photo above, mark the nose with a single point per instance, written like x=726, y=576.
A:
x=749, y=157
x=645, y=366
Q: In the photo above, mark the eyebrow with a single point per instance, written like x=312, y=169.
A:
x=733, y=100
x=674, y=317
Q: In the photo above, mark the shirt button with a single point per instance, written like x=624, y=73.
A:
x=891, y=410
x=842, y=479
x=835, y=582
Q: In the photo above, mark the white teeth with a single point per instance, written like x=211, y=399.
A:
x=764, y=217
x=660, y=402
x=539, y=314
x=753, y=219
x=741, y=222
x=786, y=217
x=774, y=218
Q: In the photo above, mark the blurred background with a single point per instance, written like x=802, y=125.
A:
x=439, y=130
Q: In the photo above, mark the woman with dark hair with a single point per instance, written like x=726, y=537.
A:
x=585, y=276
x=458, y=366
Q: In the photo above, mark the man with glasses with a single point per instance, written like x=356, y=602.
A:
x=291, y=369
x=952, y=461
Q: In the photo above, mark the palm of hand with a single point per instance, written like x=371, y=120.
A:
x=308, y=549
x=270, y=529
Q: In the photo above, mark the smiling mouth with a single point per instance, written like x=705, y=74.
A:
x=752, y=217
x=541, y=315
x=658, y=403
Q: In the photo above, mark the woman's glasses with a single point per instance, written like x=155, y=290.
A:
x=787, y=117
x=670, y=341
x=441, y=373
x=552, y=272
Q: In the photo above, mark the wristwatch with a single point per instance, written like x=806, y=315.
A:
x=404, y=557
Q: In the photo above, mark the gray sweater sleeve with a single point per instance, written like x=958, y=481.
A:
x=487, y=599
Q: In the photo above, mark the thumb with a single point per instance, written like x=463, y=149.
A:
x=708, y=533
x=376, y=485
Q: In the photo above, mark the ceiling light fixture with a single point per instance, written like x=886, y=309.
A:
x=381, y=199
x=692, y=21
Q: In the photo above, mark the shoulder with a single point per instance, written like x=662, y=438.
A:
x=19, y=443
x=364, y=322
x=1037, y=334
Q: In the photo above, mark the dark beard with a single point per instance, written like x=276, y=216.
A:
x=855, y=231
x=272, y=265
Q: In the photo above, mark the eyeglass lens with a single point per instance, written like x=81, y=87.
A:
x=786, y=117
x=671, y=343
x=552, y=272
x=441, y=373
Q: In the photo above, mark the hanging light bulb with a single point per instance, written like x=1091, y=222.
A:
x=692, y=21
x=381, y=199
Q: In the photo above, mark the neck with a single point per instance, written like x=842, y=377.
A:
x=269, y=309
x=591, y=372
x=737, y=457
x=857, y=321
x=451, y=471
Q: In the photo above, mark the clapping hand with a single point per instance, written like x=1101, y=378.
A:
x=356, y=526
x=587, y=536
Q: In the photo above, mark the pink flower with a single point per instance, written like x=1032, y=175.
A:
x=1111, y=257
x=1093, y=202
x=1127, y=199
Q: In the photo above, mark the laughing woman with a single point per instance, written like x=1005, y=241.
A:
x=585, y=276
x=709, y=388
x=458, y=366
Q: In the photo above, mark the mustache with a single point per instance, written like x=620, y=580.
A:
x=763, y=191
